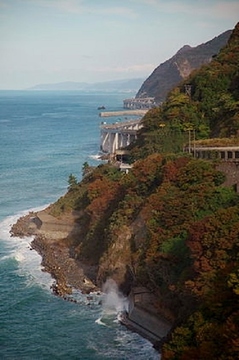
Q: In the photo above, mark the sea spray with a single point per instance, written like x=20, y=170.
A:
x=113, y=299
x=37, y=155
x=114, y=303
x=27, y=263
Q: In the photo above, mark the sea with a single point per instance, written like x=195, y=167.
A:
x=45, y=137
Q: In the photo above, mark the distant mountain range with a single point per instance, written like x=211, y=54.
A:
x=170, y=73
x=126, y=85
x=163, y=79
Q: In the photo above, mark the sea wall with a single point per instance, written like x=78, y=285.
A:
x=49, y=224
x=142, y=317
x=123, y=113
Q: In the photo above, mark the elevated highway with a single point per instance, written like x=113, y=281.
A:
x=118, y=135
x=138, y=112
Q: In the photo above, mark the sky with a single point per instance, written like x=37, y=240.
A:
x=51, y=41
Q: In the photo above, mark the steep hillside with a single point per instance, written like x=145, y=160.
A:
x=210, y=109
x=170, y=225
x=171, y=72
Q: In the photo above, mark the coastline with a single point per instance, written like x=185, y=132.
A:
x=68, y=273
x=50, y=242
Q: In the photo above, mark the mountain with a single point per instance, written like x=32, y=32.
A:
x=207, y=102
x=169, y=229
x=171, y=72
x=126, y=85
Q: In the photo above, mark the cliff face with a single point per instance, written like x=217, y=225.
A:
x=170, y=225
x=171, y=72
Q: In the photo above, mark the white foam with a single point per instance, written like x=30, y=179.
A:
x=5, y=121
x=95, y=157
x=113, y=299
x=100, y=322
x=19, y=249
x=19, y=257
x=113, y=303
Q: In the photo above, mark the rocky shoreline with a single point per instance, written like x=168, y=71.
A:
x=69, y=273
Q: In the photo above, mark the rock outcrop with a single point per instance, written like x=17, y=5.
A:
x=50, y=242
x=170, y=73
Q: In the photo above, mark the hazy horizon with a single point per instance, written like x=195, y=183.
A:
x=55, y=41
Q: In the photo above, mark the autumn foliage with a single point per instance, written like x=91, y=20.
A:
x=182, y=224
x=186, y=249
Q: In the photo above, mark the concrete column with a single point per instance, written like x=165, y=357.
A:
x=128, y=139
x=124, y=140
x=120, y=140
x=110, y=142
x=114, y=145
x=105, y=141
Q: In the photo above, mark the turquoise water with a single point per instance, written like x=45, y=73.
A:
x=44, y=137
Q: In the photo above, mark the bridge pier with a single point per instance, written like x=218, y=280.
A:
x=119, y=135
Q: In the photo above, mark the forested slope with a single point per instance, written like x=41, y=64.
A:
x=168, y=74
x=207, y=103
x=170, y=224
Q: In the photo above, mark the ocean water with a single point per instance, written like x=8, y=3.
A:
x=45, y=137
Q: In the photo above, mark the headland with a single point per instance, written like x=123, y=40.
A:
x=50, y=241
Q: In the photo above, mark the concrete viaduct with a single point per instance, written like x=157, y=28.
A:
x=118, y=135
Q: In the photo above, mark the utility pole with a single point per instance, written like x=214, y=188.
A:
x=189, y=140
x=194, y=145
x=188, y=90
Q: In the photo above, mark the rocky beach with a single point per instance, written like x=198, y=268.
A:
x=50, y=241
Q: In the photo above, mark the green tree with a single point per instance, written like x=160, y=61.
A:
x=72, y=181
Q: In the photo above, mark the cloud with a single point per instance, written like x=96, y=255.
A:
x=81, y=7
x=227, y=9
x=217, y=9
x=221, y=9
x=143, y=68
x=70, y=6
x=3, y=4
x=146, y=2
x=121, y=11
